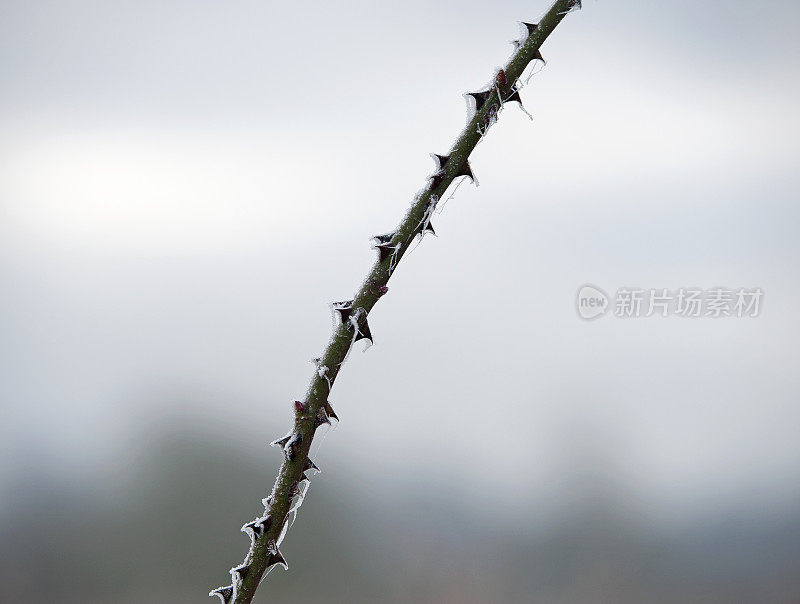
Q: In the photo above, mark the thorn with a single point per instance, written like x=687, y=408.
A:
x=364, y=333
x=429, y=228
x=329, y=410
x=480, y=98
x=385, y=250
x=343, y=308
x=385, y=238
x=465, y=170
x=310, y=465
x=241, y=570
x=303, y=477
x=359, y=322
x=514, y=97
x=382, y=290
x=225, y=593
x=440, y=159
x=321, y=418
x=266, y=502
x=538, y=55
x=281, y=442
x=277, y=558
x=292, y=446
x=299, y=406
x=531, y=27
x=259, y=526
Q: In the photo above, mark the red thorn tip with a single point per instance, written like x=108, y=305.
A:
x=383, y=289
x=300, y=406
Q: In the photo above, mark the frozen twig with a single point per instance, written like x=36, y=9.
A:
x=267, y=531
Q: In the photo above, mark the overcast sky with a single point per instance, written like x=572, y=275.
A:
x=184, y=186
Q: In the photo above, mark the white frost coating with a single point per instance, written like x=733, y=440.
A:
x=280, y=441
x=521, y=106
x=216, y=592
x=524, y=36
x=575, y=5
x=298, y=501
x=472, y=105
x=236, y=578
x=248, y=530
x=452, y=194
x=322, y=371
x=349, y=348
x=426, y=217
x=316, y=444
x=532, y=65
x=337, y=316
x=383, y=238
x=356, y=317
x=291, y=442
x=393, y=258
x=280, y=538
x=435, y=158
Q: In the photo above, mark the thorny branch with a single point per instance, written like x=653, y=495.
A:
x=267, y=531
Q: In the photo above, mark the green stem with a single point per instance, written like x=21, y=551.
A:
x=315, y=409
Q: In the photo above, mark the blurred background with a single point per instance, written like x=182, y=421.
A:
x=185, y=185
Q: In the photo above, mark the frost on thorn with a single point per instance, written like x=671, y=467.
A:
x=359, y=322
x=441, y=160
x=385, y=250
x=241, y=570
x=531, y=27
x=514, y=97
x=321, y=418
x=225, y=593
x=424, y=225
x=385, y=238
x=480, y=98
x=281, y=442
x=343, y=308
x=310, y=465
x=277, y=558
x=292, y=445
x=258, y=527
x=329, y=410
x=383, y=243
